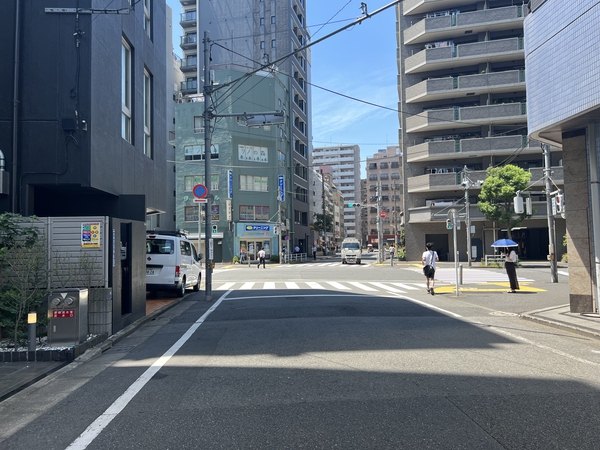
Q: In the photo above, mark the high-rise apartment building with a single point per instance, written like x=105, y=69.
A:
x=563, y=86
x=344, y=162
x=463, y=109
x=246, y=36
x=384, y=180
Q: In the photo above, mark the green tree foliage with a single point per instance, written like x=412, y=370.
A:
x=497, y=194
x=23, y=273
x=318, y=222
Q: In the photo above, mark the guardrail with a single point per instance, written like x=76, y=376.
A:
x=495, y=259
x=294, y=257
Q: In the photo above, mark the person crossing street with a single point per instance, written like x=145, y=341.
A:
x=261, y=258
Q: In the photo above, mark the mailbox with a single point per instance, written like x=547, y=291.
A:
x=67, y=317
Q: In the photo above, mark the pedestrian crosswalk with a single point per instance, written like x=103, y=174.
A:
x=374, y=287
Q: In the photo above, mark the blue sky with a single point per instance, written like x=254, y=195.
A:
x=359, y=63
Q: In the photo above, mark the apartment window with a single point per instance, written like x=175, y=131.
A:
x=254, y=183
x=199, y=124
x=273, y=43
x=254, y=212
x=262, y=44
x=147, y=114
x=373, y=176
x=273, y=20
x=395, y=176
x=384, y=176
x=148, y=17
x=372, y=166
x=196, y=152
x=126, y=91
x=189, y=181
x=262, y=20
x=395, y=164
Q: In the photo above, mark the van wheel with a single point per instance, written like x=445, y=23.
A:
x=197, y=285
x=181, y=289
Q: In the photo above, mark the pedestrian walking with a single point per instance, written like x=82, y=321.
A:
x=428, y=260
x=510, y=258
x=314, y=252
x=261, y=258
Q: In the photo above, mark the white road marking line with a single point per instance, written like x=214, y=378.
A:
x=291, y=285
x=96, y=427
x=269, y=285
x=337, y=285
x=561, y=272
x=364, y=287
x=430, y=306
x=388, y=288
x=224, y=287
x=405, y=286
x=314, y=285
x=248, y=285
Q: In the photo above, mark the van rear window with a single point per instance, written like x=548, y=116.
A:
x=160, y=246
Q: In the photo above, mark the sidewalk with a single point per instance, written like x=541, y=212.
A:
x=15, y=376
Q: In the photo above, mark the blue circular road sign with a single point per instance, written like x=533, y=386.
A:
x=200, y=191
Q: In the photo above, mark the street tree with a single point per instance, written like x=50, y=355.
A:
x=318, y=224
x=498, y=192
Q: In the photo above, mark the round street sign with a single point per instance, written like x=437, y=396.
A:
x=200, y=191
x=383, y=214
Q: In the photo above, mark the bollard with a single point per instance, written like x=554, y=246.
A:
x=460, y=274
x=31, y=331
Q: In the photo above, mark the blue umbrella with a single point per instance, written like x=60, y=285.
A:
x=505, y=243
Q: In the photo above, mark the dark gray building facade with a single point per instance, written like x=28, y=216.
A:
x=82, y=126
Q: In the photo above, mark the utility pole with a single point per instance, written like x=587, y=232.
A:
x=551, y=232
x=324, y=225
x=207, y=153
x=379, y=225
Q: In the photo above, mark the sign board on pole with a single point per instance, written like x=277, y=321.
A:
x=230, y=183
x=200, y=200
x=281, y=186
x=210, y=249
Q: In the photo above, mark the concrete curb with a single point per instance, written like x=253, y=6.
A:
x=535, y=317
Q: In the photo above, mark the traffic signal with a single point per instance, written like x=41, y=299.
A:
x=449, y=224
x=214, y=229
x=353, y=205
x=518, y=202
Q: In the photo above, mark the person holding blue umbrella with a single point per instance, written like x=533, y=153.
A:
x=510, y=259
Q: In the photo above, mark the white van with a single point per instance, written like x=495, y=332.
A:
x=351, y=251
x=172, y=263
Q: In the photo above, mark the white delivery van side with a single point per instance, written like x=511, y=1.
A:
x=172, y=263
x=351, y=251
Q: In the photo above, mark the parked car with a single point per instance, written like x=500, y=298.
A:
x=172, y=263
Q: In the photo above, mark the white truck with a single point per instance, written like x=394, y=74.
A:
x=351, y=251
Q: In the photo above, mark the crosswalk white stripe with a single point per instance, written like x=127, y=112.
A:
x=291, y=285
x=269, y=285
x=314, y=285
x=248, y=285
x=337, y=285
x=388, y=288
x=364, y=287
x=405, y=286
x=225, y=287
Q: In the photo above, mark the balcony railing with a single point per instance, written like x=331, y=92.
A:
x=189, y=65
x=451, y=87
x=455, y=148
x=557, y=175
x=463, y=117
x=441, y=181
x=454, y=25
x=189, y=86
x=188, y=19
x=454, y=56
x=188, y=41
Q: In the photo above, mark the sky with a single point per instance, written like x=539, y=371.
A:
x=359, y=63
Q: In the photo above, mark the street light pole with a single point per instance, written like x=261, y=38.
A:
x=551, y=232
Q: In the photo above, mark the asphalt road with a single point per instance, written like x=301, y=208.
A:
x=323, y=356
